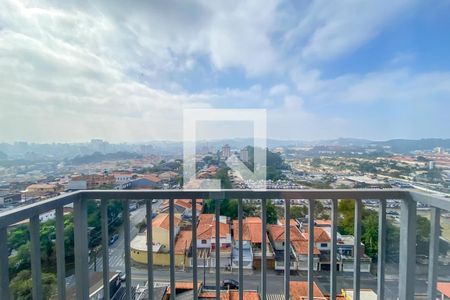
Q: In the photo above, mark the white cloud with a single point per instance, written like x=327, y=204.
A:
x=329, y=29
x=386, y=85
x=71, y=71
x=279, y=89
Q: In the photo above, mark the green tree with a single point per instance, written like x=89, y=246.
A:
x=21, y=285
x=298, y=211
x=18, y=236
x=271, y=213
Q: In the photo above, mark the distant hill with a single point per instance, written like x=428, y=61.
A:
x=404, y=146
x=3, y=155
x=99, y=157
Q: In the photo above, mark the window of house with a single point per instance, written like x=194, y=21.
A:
x=203, y=241
x=323, y=245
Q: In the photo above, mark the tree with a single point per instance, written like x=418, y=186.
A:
x=18, y=236
x=316, y=162
x=298, y=212
x=20, y=261
x=21, y=285
x=271, y=213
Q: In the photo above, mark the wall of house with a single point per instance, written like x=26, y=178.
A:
x=323, y=246
x=302, y=262
x=161, y=236
x=206, y=245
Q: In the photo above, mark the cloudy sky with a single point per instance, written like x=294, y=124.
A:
x=124, y=71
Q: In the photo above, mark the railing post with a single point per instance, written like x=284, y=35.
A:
x=381, y=249
x=334, y=220
x=172, y=249
x=35, y=250
x=81, y=249
x=241, y=245
x=287, y=248
x=311, y=249
x=4, y=267
x=217, y=225
x=105, y=247
x=194, y=248
x=149, y=219
x=263, y=248
x=60, y=253
x=127, y=248
x=357, y=249
x=434, y=251
x=407, y=249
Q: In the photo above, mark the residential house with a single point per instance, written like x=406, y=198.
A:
x=145, y=182
x=42, y=190
x=183, y=207
x=160, y=230
x=298, y=290
x=206, y=240
x=345, y=248
x=252, y=244
x=168, y=176
x=322, y=242
x=277, y=239
x=9, y=198
x=90, y=181
x=184, y=290
x=444, y=289
x=161, y=243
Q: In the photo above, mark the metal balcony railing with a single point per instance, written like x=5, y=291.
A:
x=79, y=199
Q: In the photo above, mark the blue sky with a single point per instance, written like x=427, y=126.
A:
x=71, y=71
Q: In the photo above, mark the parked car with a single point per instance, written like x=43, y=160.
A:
x=230, y=284
x=122, y=275
x=113, y=238
x=133, y=206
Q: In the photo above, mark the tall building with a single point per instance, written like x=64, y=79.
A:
x=244, y=154
x=226, y=151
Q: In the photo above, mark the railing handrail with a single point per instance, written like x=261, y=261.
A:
x=18, y=214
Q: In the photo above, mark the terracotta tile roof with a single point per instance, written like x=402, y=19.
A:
x=299, y=290
x=291, y=221
x=248, y=295
x=301, y=247
x=209, y=218
x=183, y=242
x=444, y=288
x=162, y=220
x=252, y=230
x=184, y=203
x=182, y=285
x=323, y=222
x=207, y=231
x=320, y=235
x=152, y=177
x=277, y=233
x=206, y=228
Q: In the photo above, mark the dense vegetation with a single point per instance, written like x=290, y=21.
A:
x=99, y=157
x=18, y=240
x=369, y=226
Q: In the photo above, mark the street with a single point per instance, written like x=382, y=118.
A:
x=116, y=250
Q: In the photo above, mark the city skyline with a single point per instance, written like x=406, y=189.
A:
x=72, y=72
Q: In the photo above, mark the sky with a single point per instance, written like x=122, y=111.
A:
x=124, y=71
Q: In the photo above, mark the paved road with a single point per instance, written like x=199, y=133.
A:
x=275, y=283
x=116, y=250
